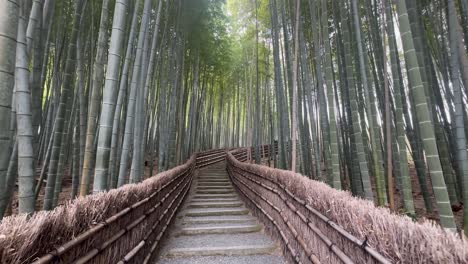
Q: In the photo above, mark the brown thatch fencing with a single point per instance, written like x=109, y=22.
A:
x=241, y=153
x=318, y=224
x=210, y=157
x=123, y=225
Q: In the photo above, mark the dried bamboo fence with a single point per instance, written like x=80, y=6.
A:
x=318, y=224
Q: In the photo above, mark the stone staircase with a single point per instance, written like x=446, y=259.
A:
x=214, y=226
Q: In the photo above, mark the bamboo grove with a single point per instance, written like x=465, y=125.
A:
x=368, y=96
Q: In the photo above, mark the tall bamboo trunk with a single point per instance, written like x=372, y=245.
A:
x=109, y=96
x=67, y=87
x=369, y=109
x=424, y=123
x=98, y=75
x=361, y=183
x=334, y=154
x=462, y=155
x=9, y=14
x=26, y=170
x=130, y=120
x=400, y=124
x=294, y=87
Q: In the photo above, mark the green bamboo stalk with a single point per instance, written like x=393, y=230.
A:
x=370, y=109
x=26, y=169
x=9, y=14
x=362, y=182
x=335, y=159
x=67, y=86
x=110, y=95
x=462, y=155
x=424, y=121
x=95, y=100
x=400, y=124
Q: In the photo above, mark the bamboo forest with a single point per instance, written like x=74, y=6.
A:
x=233, y=131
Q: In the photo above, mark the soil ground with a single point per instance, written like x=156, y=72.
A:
x=419, y=202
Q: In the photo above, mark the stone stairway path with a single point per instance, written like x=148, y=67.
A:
x=214, y=226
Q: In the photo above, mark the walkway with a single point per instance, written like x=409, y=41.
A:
x=214, y=226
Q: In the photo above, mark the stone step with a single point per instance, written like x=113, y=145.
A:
x=227, y=229
x=246, y=221
x=214, y=200
x=215, y=191
x=214, y=188
x=218, y=240
x=214, y=184
x=252, y=259
x=211, y=176
x=219, y=182
x=217, y=211
x=222, y=251
x=216, y=176
x=214, y=204
x=214, y=179
x=211, y=200
x=221, y=219
x=224, y=178
x=215, y=196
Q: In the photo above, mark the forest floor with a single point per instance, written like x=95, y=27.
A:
x=420, y=207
